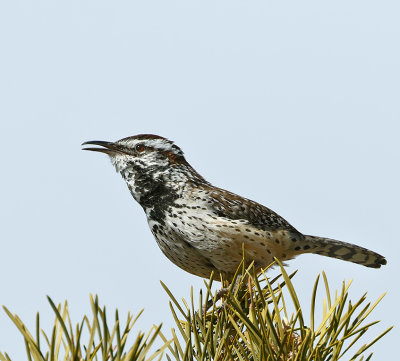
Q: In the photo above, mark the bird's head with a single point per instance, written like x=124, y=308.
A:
x=145, y=161
x=141, y=151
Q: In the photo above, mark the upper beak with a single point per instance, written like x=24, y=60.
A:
x=109, y=148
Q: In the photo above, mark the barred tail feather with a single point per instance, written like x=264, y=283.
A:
x=342, y=250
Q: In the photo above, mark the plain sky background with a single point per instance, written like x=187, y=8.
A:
x=294, y=104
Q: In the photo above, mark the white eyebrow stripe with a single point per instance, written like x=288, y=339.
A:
x=161, y=144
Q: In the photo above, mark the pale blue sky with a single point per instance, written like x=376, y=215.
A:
x=294, y=104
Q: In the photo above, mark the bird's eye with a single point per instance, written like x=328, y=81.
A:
x=140, y=148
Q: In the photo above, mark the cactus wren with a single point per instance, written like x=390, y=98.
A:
x=202, y=228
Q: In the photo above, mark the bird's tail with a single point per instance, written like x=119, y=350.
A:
x=342, y=250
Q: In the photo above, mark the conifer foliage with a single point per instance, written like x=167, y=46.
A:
x=254, y=318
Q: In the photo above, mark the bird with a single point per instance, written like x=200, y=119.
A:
x=206, y=230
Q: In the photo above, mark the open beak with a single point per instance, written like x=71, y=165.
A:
x=109, y=148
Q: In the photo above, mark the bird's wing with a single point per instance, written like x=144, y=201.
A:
x=234, y=207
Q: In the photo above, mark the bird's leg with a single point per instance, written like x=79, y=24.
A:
x=222, y=292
